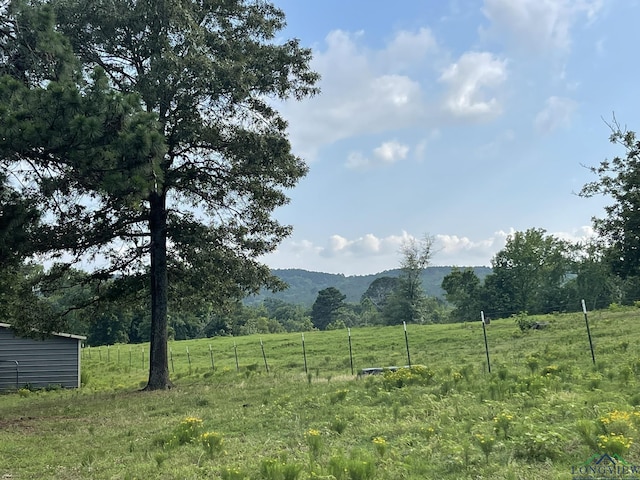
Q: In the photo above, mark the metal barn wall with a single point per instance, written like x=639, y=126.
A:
x=53, y=361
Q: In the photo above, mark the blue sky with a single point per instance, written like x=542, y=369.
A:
x=463, y=120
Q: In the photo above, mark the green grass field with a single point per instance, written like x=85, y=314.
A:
x=544, y=412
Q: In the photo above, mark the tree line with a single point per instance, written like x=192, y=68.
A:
x=534, y=273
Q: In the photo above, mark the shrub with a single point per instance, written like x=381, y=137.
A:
x=587, y=431
x=358, y=467
x=614, y=444
x=619, y=422
x=338, y=425
x=212, y=442
x=274, y=469
x=188, y=430
x=314, y=441
x=417, y=375
x=523, y=321
x=538, y=447
x=503, y=421
x=486, y=444
x=338, y=396
x=380, y=444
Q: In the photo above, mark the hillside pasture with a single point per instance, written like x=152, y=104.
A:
x=543, y=412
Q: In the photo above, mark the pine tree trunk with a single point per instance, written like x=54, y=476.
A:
x=158, y=358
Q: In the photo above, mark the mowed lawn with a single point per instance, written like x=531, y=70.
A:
x=543, y=412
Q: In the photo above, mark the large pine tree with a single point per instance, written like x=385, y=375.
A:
x=147, y=131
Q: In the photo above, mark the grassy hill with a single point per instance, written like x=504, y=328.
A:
x=544, y=412
x=305, y=285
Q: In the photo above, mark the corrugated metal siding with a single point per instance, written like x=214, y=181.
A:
x=53, y=361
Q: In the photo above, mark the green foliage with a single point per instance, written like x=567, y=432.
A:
x=18, y=219
x=402, y=377
x=275, y=469
x=486, y=443
x=159, y=152
x=314, y=441
x=524, y=321
x=538, y=446
x=188, y=431
x=357, y=467
x=230, y=473
x=305, y=285
x=326, y=308
x=617, y=179
x=408, y=302
x=462, y=289
x=528, y=273
x=212, y=442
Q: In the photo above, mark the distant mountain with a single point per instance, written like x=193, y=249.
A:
x=305, y=285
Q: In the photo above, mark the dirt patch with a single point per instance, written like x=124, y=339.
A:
x=20, y=424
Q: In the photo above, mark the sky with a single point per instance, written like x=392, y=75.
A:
x=463, y=120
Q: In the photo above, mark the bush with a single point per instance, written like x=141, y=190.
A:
x=188, y=430
x=417, y=375
x=523, y=321
x=538, y=447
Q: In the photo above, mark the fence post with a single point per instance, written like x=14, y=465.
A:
x=304, y=355
x=213, y=366
x=486, y=345
x=586, y=320
x=235, y=350
x=266, y=366
x=406, y=341
x=350, y=351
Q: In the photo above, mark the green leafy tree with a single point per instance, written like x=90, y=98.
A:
x=593, y=281
x=293, y=318
x=619, y=179
x=156, y=149
x=326, y=309
x=379, y=291
x=407, y=303
x=529, y=274
x=463, y=290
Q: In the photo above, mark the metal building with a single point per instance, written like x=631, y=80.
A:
x=54, y=361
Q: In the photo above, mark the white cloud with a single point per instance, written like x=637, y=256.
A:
x=386, y=154
x=370, y=254
x=537, y=26
x=407, y=48
x=556, y=113
x=362, y=90
x=364, y=246
x=470, y=79
x=391, y=152
x=579, y=235
x=462, y=251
